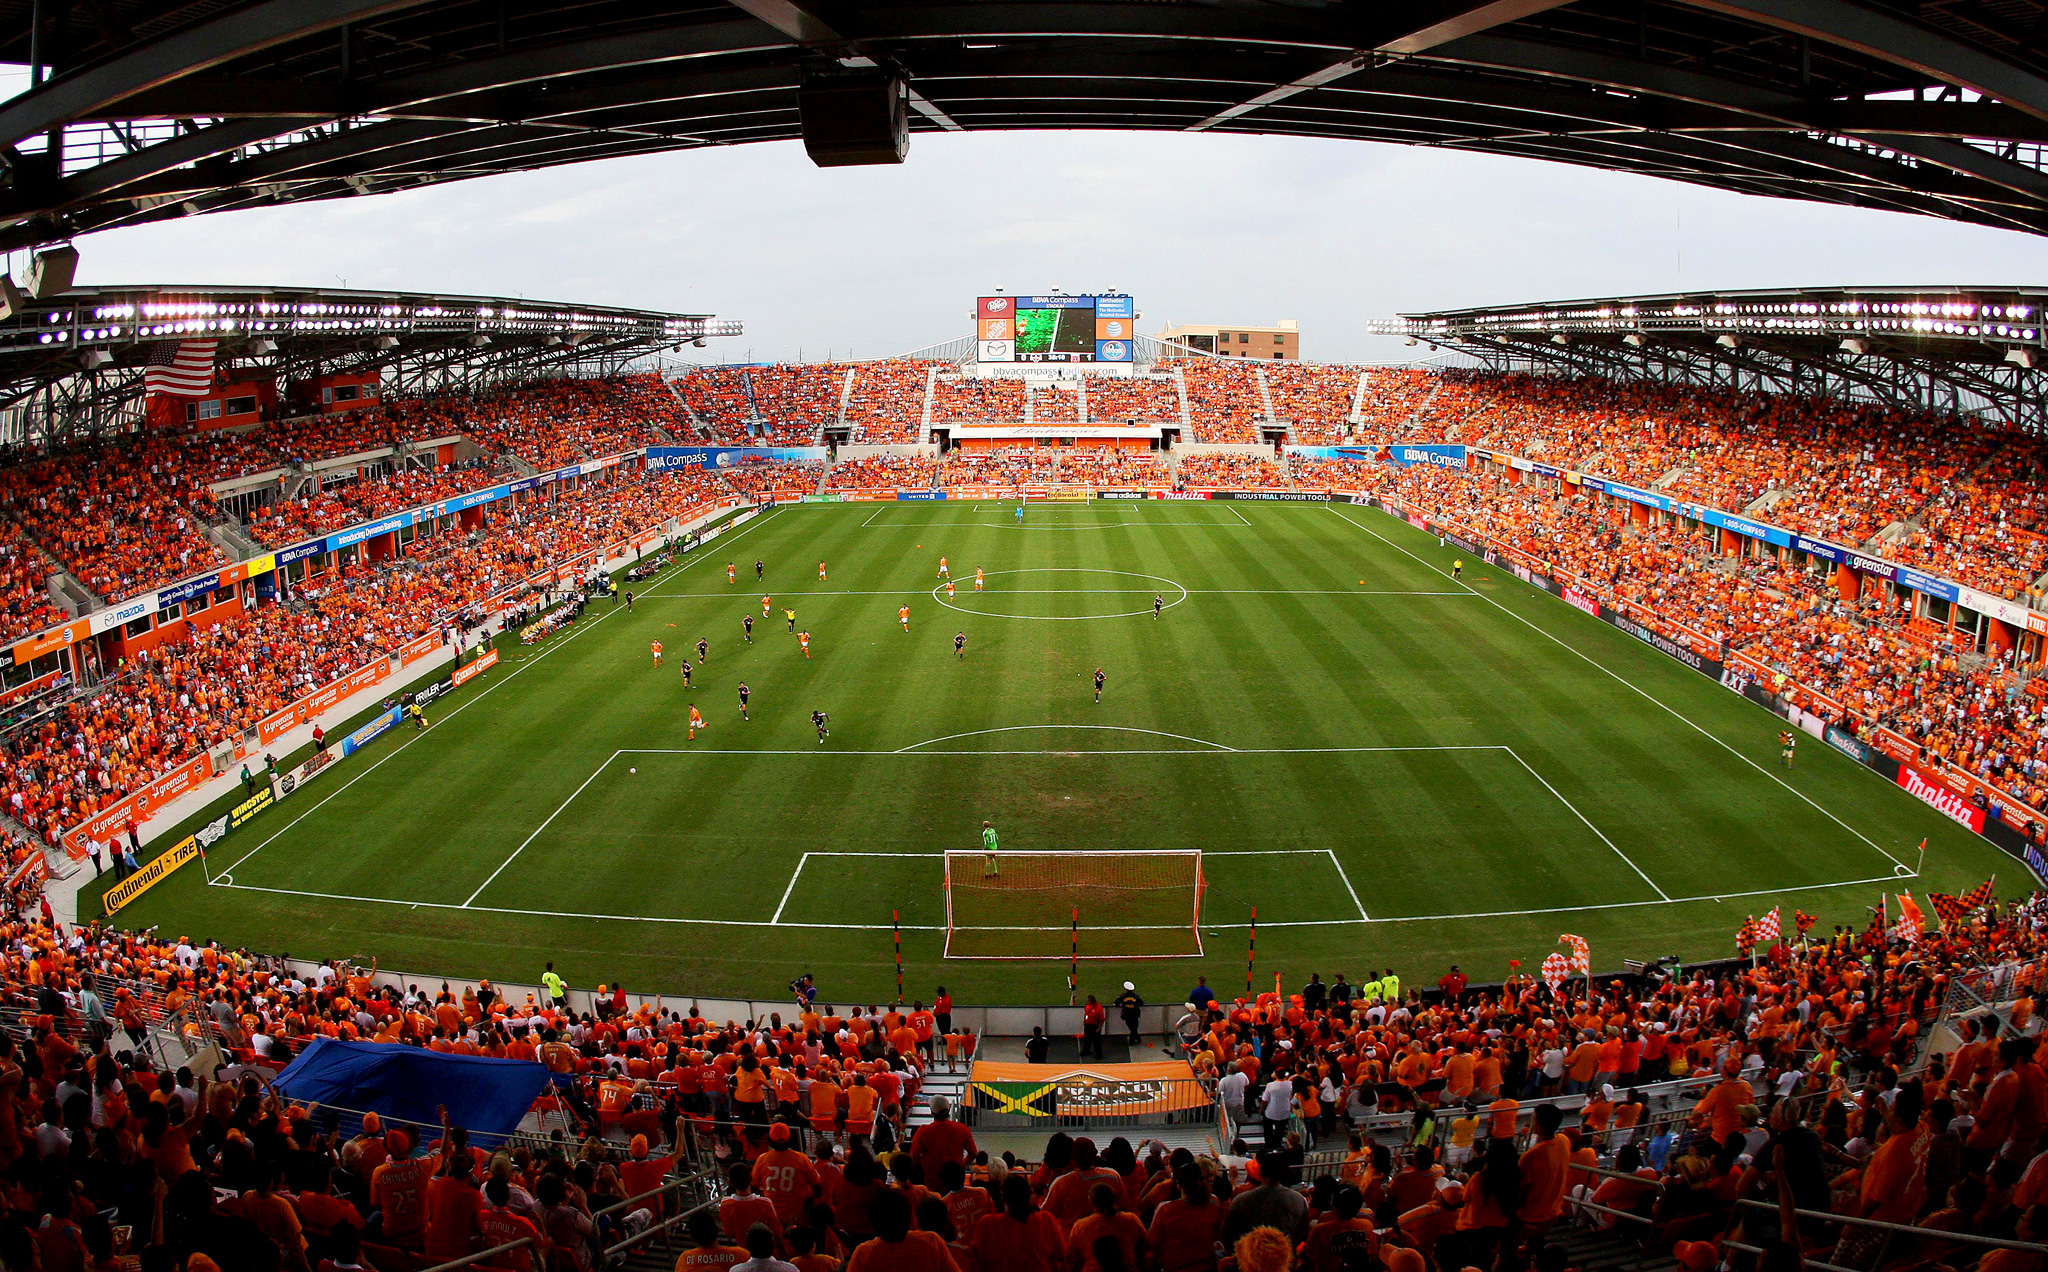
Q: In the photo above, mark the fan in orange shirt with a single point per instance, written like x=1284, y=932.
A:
x=785, y=1176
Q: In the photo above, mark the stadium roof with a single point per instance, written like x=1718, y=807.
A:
x=151, y=109
x=76, y=361
x=1961, y=349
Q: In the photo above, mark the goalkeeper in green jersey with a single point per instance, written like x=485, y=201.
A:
x=991, y=868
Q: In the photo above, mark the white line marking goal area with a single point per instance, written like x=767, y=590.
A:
x=715, y=874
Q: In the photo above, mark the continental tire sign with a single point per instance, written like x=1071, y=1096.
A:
x=151, y=874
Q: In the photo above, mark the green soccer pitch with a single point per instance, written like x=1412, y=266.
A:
x=1396, y=768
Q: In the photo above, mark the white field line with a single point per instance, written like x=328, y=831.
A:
x=1362, y=915
x=488, y=690
x=1589, y=823
x=907, y=751
x=930, y=927
x=1027, y=728
x=1240, y=516
x=543, y=826
x=1086, y=591
x=1644, y=693
x=790, y=889
x=793, y=876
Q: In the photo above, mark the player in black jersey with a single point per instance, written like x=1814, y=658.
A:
x=629, y=602
x=1158, y=603
x=1099, y=678
x=757, y=569
x=820, y=719
x=960, y=644
x=744, y=691
x=747, y=623
x=686, y=673
x=703, y=650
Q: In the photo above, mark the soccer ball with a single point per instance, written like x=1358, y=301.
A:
x=632, y=770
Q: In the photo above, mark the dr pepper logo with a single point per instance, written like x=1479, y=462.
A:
x=995, y=306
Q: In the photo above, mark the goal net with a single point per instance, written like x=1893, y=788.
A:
x=1051, y=905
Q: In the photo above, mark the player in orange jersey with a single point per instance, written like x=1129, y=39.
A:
x=696, y=721
x=732, y=573
x=804, y=639
x=903, y=615
x=944, y=572
x=979, y=579
x=764, y=607
x=949, y=587
x=821, y=571
x=657, y=653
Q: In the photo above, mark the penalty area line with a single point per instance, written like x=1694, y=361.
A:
x=1574, y=809
x=932, y=927
x=1632, y=685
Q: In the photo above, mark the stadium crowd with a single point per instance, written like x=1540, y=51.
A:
x=1474, y=1126
x=887, y=403
x=214, y=680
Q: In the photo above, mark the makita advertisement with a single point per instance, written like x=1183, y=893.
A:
x=1847, y=743
x=1941, y=797
x=663, y=458
x=1434, y=454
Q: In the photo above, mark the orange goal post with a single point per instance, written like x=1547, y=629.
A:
x=1097, y=904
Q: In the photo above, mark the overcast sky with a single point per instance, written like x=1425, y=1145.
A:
x=867, y=262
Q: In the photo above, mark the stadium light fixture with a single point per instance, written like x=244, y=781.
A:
x=50, y=274
x=2026, y=358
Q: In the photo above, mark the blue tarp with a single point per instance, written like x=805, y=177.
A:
x=485, y=1096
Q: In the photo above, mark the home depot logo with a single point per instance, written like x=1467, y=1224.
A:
x=1950, y=804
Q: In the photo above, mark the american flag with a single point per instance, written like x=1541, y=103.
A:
x=183, y=368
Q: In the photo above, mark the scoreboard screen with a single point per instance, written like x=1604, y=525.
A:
x=1055, y=328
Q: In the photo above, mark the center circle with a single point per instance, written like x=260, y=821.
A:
x=1107, y=593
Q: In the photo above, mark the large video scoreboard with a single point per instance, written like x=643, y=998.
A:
x=1055, y=328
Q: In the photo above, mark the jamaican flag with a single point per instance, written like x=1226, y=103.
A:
x=1027, y=1099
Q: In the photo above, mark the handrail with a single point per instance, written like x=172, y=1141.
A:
x=652, y=1229
x=1969, y=1238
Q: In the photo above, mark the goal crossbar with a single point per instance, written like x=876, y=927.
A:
x=1082, y=903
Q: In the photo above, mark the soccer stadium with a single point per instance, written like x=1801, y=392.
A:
x=489, y=782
